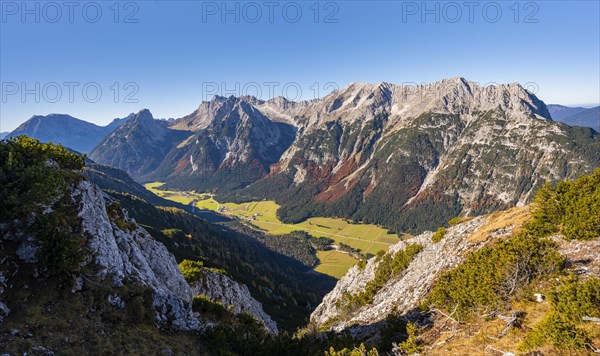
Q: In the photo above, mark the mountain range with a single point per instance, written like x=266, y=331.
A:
x=377, y=153
x=576, y=116
x=71, y=132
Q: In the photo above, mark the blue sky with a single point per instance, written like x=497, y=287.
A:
x=169, y=56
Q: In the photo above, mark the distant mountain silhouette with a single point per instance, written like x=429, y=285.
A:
x=71, y=132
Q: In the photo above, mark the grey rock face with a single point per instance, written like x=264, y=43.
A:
x=137, y=146
x=116, y=301
x=404, y=292
x=4, y=309
x=27, y=250
x=582, y=256
x=220, y=288
x=135, y=255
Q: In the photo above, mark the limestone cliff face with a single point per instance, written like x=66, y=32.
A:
x=404, y=292
x=135, y=255
x=220, y=288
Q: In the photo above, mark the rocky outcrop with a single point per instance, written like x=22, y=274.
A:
x=134, y=256
x=4, y=309
x=119, y=251
x=404, y=292
x=220, y=288
x=583, y=257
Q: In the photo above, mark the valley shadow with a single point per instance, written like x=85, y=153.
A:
x=383, y=333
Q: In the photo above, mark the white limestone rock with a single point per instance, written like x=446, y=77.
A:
x=135, y=256
x=404, y=292
x=220, y=288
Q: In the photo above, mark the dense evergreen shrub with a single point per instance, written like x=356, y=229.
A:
x=571, y=208
x=411, y=345
x=192, y=271
x=490, y=276
x=439, y=235
x=34, y=182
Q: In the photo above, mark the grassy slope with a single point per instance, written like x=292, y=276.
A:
x=334, y=263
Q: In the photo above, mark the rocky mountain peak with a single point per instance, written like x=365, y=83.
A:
x=120, y=121
x=144, y=114
x=207, y=112
x=145, y=119
x=219, y=99
x=139, y=145
x=142, y=122
x=280, y=101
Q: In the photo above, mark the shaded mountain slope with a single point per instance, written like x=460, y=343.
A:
x=234, y=145
x=74, y=133
x=138, y=146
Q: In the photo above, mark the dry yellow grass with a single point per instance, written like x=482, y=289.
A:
x=480, y=336
x=185, y=142
x=514, y=218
